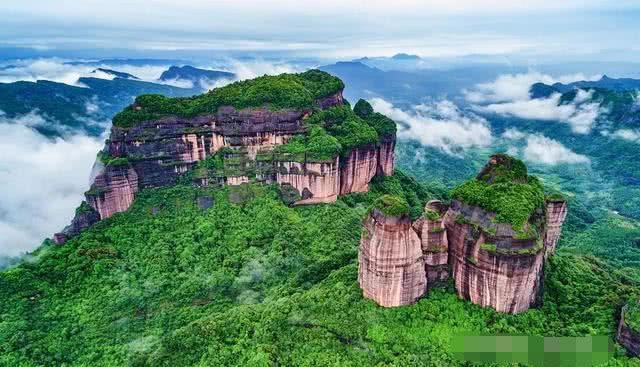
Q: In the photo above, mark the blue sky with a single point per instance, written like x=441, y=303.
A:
x=332, y=28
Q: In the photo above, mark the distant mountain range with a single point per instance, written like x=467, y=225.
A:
x=117, y=74
x=406, y=87
x=193, y=74
x=541, y=90
x=74, y=108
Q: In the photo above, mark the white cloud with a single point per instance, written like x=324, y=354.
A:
x=627, y=134
x=540, y=149
x=515, y=87
x=58, y=70
x=42, y=182
x=439, y=124
x=509, y=95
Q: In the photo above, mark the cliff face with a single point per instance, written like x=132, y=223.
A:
x=493, y=262
x=556, y=211
x=233, y=146
x=391, y=270
x=113, y=190
x=627, y=337
x=497, y=271
x=434, y=242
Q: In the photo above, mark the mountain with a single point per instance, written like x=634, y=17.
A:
x=540, y=90
x=224, y=230
x=115, y=73
x=69, y=108
x=403, y=56
x=407, y=87
x=157, y=139
x=194, y=75
x=495, y=236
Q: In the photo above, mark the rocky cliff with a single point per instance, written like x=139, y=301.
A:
x=391, y=267
x=493, y=239
x=629, y=336
x=434, y=242
x=306, y=138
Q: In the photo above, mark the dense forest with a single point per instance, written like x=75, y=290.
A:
x=253, y=282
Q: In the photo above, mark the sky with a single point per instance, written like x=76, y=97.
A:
x=331, y=28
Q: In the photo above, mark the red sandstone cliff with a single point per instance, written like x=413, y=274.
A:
x=507, y=278
x=627, y=337
x=435, y=245
x=556, y=211
x=158, y=152
x=113, y=190
x=391, y=268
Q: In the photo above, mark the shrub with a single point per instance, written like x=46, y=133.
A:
x=392, y=205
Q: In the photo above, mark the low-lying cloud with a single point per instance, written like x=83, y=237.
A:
x=541, y=149
x=509, y=95
x=42, y=182
x=627, y=134
x=439, y=124
x=59, y=70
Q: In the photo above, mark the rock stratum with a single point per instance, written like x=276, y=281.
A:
x=628, y=333
x=493, y=240
x=293, y=130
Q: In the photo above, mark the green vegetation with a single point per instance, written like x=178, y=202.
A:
x=392, y=205
x=632, y=315
x=285, y=91
x=260, y=283
x=383, y=125
x=506, y=190
x=84, y=208
x=490, y=247
x=317, y=146
x=432, y=214
x=363, y=109
x=108, y=160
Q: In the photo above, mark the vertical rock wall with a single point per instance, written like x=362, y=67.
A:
x=556, y=212
x=391, y=268
x=434, y=243
x=316, y=182
x=113, y=190
x=386, y=156
x=627, y=337
x=357, y=170
x=492, y=270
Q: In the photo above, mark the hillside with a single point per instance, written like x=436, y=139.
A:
x=191, y=248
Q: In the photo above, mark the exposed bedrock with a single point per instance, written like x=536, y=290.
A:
x=357, y=169
x=113, y=190
x=556, y=211
x=491, y=267
x=435, y=245
x=627, y=336
x=316, y=182
x=391, y=268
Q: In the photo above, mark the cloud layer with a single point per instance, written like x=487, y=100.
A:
x=440, y=124
x=42, y=182
x=541, y=149
x=509, y=95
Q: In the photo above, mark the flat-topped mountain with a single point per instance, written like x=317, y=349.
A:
x=294, y=130
x=495, y=237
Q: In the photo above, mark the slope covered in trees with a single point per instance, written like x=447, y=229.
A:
x=251, y=281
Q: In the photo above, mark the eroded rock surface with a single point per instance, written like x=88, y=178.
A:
x=627, y=336
x=391, y=270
